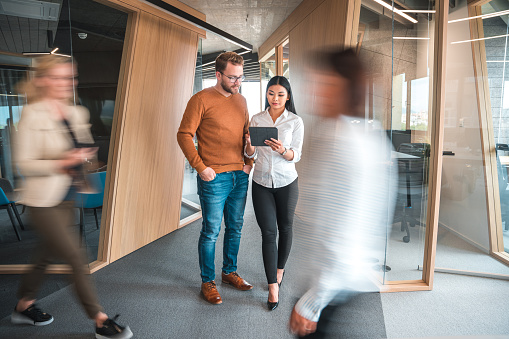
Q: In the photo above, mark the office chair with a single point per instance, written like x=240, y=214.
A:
x=13, y=197
x=91, y=201
x=5, y=203
x=413, y=177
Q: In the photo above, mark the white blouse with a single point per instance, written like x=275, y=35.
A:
x=271, y=169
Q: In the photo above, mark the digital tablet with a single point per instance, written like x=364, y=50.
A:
x=260, y=134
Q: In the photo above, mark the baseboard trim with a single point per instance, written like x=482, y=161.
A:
x=468, y=240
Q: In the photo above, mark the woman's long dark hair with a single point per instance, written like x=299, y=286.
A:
x=280, y=80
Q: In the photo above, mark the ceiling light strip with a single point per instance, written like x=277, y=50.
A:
x=395, y=10
x=488, y=38
x=484, y=16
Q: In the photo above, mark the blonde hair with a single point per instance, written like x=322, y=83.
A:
x=43, y=65
x=224, y=58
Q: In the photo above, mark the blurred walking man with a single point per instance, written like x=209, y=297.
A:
x=347, y=196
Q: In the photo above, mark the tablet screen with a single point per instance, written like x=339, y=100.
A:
x=260, y=134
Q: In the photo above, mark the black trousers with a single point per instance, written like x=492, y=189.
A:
x=274, y=210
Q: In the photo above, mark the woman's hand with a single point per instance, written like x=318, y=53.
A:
x=250, y=149
x=276, y=145
x=77, y=156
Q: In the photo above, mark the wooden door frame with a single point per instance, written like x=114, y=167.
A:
x=487, y=134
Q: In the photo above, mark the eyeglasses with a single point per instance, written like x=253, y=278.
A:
x=234, y=79
x=57, y=78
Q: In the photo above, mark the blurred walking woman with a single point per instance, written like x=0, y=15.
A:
x=53, y=141
x=275, y=185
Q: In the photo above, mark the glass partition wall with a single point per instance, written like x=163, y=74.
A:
x=474, y=205
x=397, y=50
x=190, y=209
x=93, y=34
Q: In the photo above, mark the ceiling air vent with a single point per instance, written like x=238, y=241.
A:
x=31, y=9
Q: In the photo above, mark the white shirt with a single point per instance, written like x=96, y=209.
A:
x=271, y=168
x=345, y=206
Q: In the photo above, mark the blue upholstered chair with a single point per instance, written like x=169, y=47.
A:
x=7, y=204
x=91, y=201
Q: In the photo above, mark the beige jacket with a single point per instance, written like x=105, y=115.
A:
x=41, y=141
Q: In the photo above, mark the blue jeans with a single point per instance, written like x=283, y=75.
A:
x=224, y=195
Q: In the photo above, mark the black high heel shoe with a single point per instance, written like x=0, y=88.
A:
x=273, y=305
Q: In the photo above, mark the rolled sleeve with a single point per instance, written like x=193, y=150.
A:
x=253, y=156
x=297, y=141
x=323, y=291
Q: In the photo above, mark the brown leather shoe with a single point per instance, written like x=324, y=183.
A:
x=235, y=280
x=210, y=292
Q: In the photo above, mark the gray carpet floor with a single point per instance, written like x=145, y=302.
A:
x=156, y=291
x=470, y=307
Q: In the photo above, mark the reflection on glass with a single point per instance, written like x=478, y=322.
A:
x=190, y=200
x=286, y=59
x=17, y=240
x=267, y=70
x=398, y=54
x=98, y=54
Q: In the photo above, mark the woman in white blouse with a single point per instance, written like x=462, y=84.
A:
x=275, y=186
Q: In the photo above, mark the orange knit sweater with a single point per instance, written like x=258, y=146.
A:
x=219, y=123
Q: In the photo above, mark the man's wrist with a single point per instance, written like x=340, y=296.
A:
x=284, y=152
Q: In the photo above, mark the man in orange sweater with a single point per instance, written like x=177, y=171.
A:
x=218, y=116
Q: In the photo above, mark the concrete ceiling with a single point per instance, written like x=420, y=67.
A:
x=250, y=20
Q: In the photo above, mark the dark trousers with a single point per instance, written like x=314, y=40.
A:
x=345, y=318
x=56, y=242
x=274, y=210
x=323, y=326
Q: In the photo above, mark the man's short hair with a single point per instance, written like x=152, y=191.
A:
x=223, y=59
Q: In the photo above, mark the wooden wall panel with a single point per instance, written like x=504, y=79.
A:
x=295, y=18
x=324, y=27
x=150, y=168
